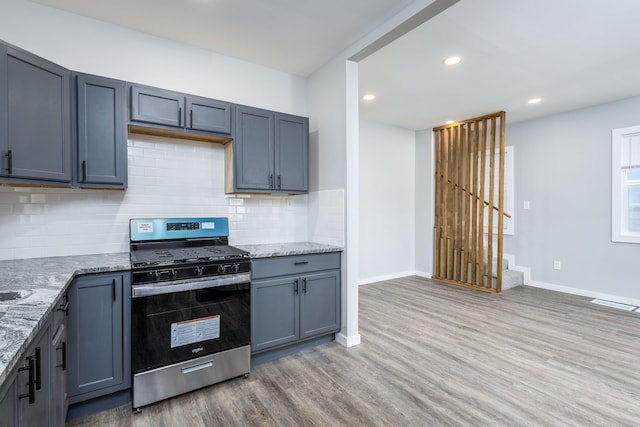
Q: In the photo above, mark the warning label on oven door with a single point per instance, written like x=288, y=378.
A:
x=195, y=330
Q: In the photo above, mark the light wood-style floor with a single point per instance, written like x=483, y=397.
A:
x=431, y=355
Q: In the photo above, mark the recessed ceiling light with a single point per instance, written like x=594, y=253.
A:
x=535, y=100
x=452, y=60
x=449, y=122
x=369, y=97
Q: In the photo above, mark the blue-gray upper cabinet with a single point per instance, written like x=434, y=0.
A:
x=270, y=153
x=173, y=110
x=35, y=117
x=100, y=132
x=99, y=339
x=208, y=115
x=292, y=153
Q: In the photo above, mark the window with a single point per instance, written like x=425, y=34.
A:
x=625, y=185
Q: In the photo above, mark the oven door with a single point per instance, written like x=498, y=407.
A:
x=180, y=321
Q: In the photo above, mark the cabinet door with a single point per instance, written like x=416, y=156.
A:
x=4, y=133
x=208, y=115
x=35, y=412
x=101, y=131
x=58, y=376
x=97, y=346
x=39, y=125
x=292, y=153
x=8, y=402
x=320, y=303
x=274, y=312
x=253, y=149
x=157, y=106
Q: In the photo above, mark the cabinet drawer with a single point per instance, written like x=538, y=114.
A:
x=296, y=264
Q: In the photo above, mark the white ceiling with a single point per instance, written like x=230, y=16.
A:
x=571, y=53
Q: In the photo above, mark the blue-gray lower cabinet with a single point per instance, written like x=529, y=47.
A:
x=294, y=298
x=8, y=401
x=99, y=339
x=275, y=308
x=33, y=382
x=34, y=393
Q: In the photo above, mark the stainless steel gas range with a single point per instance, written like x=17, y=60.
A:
x=191, y=306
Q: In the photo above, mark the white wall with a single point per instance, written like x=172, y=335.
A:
x=387, y=202
x=424, y=199
x=563, y=167
x=333, y=107
x=91, y=46
x=329, y=156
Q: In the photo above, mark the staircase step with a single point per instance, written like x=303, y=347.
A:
x=511, y=279
x=494, y=266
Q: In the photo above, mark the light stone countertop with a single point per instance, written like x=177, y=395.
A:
x=285, y=249
x=40, y=282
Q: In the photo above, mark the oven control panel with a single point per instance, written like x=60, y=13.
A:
x=181, y=226
x=153, y=229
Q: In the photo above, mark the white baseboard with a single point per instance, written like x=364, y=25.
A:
x=583, y=292
x=386, y=277
x=424, y=274
x=347, y=341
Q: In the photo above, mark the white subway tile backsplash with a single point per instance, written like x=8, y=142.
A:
x=167, y=177
x=38, y=198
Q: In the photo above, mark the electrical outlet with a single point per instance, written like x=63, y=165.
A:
x=527, y=204
x=557, y=265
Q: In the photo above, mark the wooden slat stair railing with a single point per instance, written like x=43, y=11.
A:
x=467, y=185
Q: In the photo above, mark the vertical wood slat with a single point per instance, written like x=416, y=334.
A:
x=490, y=198
x=445, y=203
x=467, y=204
x=501, y=202
x=462, y=192
x=459, y=187
x=438, y=210
x=481, y=182
x=474, y=223
x=451, y=202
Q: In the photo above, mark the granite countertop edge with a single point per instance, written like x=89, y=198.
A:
x=268, y=250
x=41, y=282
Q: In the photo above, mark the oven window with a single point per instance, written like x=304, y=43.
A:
x=172, y=328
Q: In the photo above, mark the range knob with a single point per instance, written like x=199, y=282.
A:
x=199, y=270
x=235, y=267
x=221, y=269
x=174, y=274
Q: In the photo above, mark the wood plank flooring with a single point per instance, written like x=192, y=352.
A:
x=434, y=354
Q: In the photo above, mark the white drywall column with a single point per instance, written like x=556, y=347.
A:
x=349, y=335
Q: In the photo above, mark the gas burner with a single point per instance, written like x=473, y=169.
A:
x=173, y=249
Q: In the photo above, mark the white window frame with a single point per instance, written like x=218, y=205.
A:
x=619, y=202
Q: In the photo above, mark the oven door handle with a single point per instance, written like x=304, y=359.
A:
x=139, y=291
x=195, y=368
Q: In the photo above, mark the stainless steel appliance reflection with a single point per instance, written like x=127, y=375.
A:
x=190, y=309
